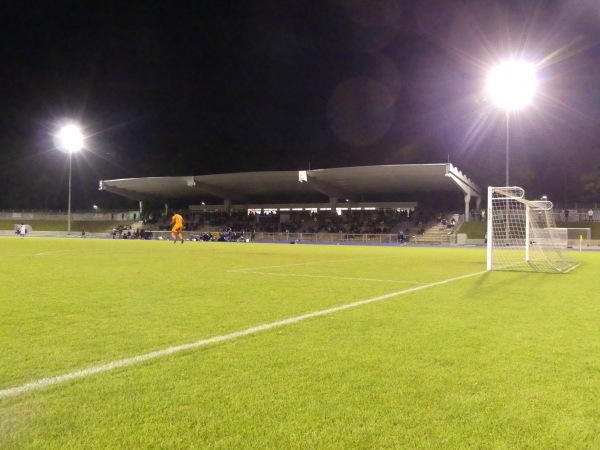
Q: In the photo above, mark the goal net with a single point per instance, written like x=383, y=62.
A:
x=577, y=238
x=522, y=234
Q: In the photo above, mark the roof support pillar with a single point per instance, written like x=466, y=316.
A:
x=467, y=207
x=333, y=203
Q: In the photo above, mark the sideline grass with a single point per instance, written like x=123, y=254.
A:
x=501, y=360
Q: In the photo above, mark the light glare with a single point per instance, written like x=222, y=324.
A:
x=512, y=84
x=70, y=139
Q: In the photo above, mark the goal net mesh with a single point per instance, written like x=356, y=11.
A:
x=577, y=237
x=522, y=234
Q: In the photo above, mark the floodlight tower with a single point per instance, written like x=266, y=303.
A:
x=70, y=140
x=511, y=85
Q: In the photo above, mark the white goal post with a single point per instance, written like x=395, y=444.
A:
x=522, y=234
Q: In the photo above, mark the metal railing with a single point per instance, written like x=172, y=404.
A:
x=331, y=238
x=328, y=237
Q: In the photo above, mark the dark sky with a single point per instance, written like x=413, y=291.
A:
x=201, y=87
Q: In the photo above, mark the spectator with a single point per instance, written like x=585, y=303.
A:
x=591, y=215
x=401, y=237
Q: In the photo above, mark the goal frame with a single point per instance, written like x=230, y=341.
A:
x=522, y=234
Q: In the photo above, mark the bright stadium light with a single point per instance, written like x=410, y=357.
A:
x=70, y=140
x=511, y=86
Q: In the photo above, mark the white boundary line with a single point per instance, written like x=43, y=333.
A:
x=576, y=265
x=44, y=382
x=308, y=263
x=251, y=272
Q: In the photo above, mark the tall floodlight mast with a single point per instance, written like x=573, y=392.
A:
x=70, y=140
x=511, y=86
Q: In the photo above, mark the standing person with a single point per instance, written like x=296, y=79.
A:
x=177, y=222
x=22, y=230
x=83, y=232
x=401, y=237
x=591, y=215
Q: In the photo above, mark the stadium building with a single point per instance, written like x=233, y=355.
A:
x=384, y=186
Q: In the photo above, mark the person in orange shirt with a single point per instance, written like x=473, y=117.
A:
x=177, y=222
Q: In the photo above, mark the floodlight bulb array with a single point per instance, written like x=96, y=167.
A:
x=512, y=84
x=70, y=138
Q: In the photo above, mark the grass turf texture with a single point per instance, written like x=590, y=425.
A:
x=497, y=360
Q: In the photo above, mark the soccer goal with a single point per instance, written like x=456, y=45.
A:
x=522, y=234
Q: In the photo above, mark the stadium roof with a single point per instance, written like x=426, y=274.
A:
x=343, y=182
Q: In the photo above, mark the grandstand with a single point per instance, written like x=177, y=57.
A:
x=339, y=191
x=366, y=186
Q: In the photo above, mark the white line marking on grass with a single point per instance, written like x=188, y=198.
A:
x=52, y=252
x=303, y=264
x=576, y=265
x=322, y=276
x=78, y=252
x=44, y=382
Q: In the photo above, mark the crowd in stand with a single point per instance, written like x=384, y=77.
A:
x=126, y=232
x=381, y=221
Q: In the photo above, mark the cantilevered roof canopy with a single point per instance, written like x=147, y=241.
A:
x=343, y=182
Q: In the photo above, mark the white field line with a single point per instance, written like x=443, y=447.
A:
x=309, y=263
x=576, y=265
x=62, y=252
x=44, y=382
x=252, y=272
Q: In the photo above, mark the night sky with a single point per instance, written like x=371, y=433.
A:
x=203, y=87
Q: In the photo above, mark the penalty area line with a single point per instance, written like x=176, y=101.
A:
x=50, y=381
x=323, y=276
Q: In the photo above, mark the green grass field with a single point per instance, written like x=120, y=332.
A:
x=439, y=354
